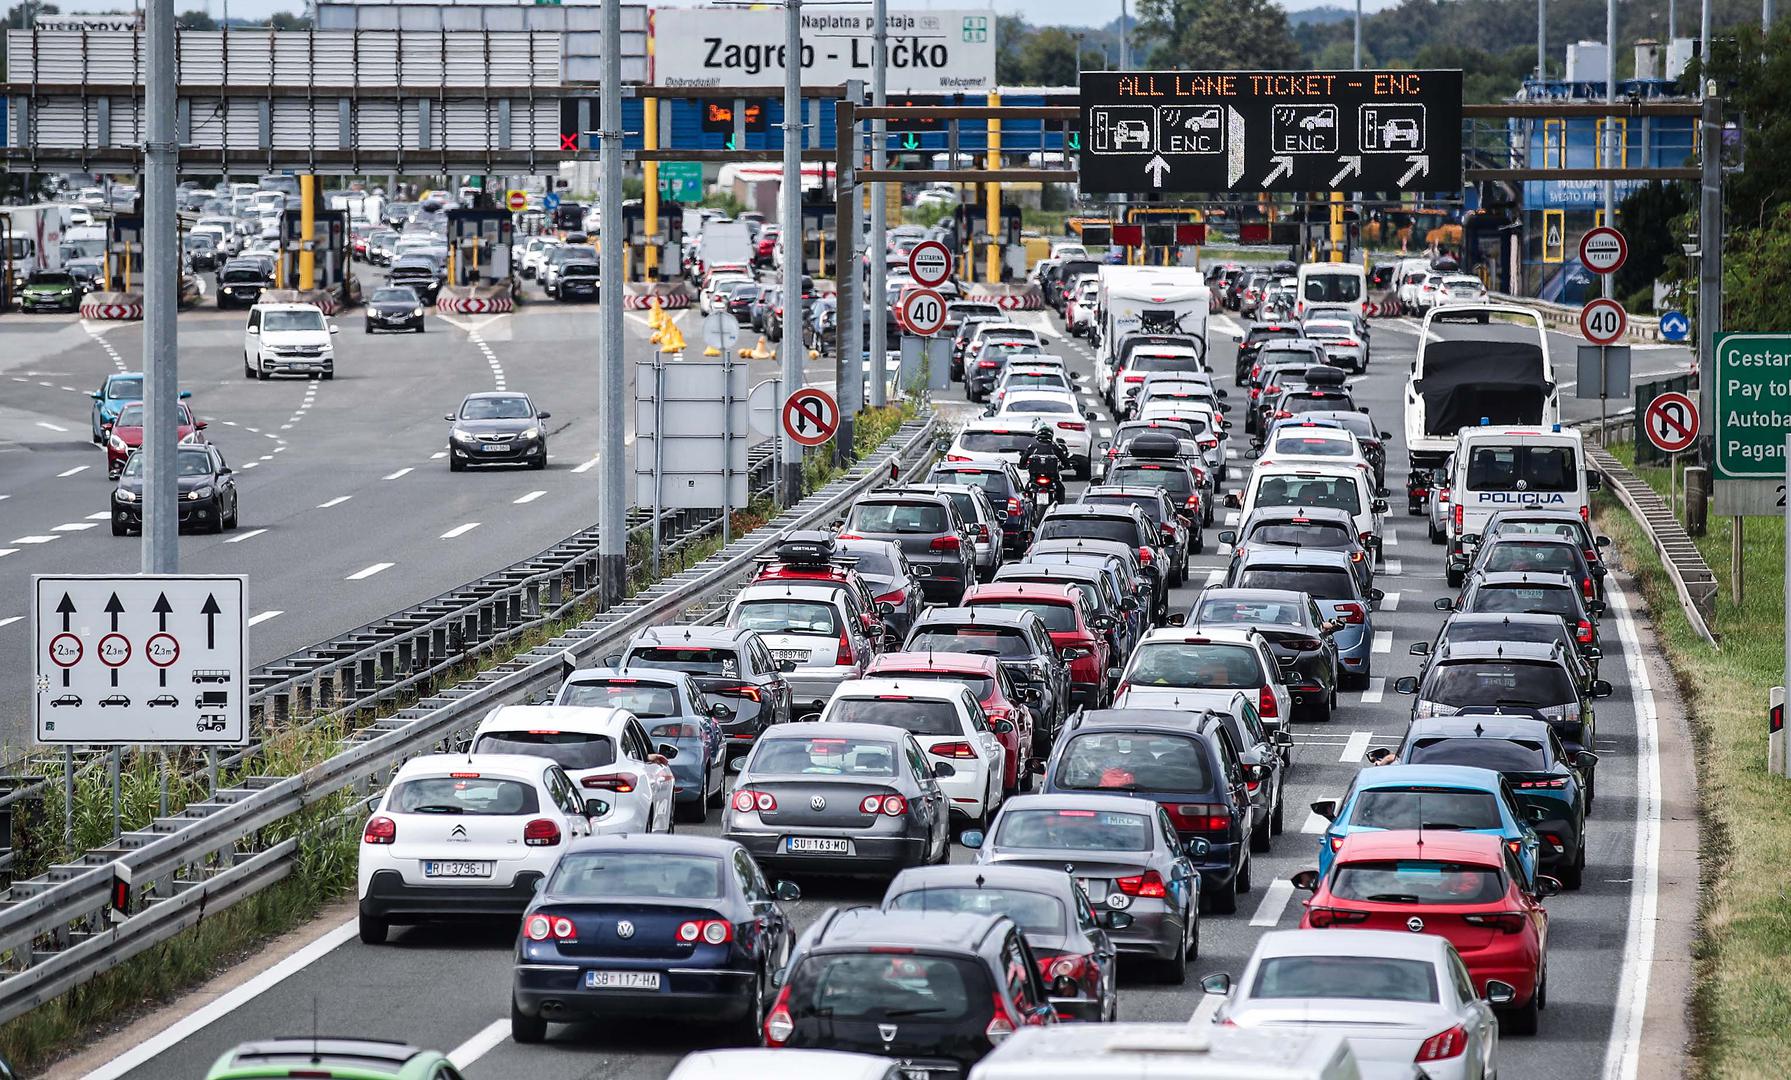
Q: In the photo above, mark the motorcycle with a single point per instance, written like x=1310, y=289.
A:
x=1042, y=496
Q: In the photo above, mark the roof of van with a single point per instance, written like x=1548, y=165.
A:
x=1100, y=1051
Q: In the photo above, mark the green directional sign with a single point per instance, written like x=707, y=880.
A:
x=910, y=142
x=681, y=181
x=1753, y=405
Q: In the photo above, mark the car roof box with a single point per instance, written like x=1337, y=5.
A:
x=1325, y=375
x=808, y=547
x=1155, y=444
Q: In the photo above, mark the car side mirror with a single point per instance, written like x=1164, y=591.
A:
x=199, y=425
x=885, y=608
x=1375, y=596
x=721, y=711
x=788, y=891
x=1128, y=603
x=1282, y=738
x=1232, y=500
x=971, y=838
x=1499, y=994
x=225, y=471
x=1103, y=622
x=1547, y=886
x=1602, y=541
x=1379, y=506
x=254, y=330
x=1229, y=536
x=96, y=395
x=786, y=666
x=1091, y=415
x=667, y=751
x=1380, y=755
x=1305, y=881
x=1419, y=648
x=1406, y=684
x=1219, y=984
x=1594, y=482
x=447, y=416
x=334, y=329
x=543, y=415
x=1585, y=760
x=1595, y=608
x=1443, y=603
x=1363, y=409
x=1601, y=688
x=1198, y=847
x=596, y=808
x=1325, y=808
x=1031, y=695
x=185, y=394
x=1386, y=434
x=1222, y=394
x=1002, y=727
x=1113, y=920
x=1178, y=619
x=943, y=770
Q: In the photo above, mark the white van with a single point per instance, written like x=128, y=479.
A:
x=1146, y=299
x=1331, y=283
x=1142, y=1051
x=1477, y=365
x=1510, y=468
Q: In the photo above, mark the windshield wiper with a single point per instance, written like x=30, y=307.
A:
x=438, y=808
x=1393, y=898
x=929, y=1011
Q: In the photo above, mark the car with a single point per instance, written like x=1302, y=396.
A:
x=1514, y=552
x=1297, y=632
x=1123, y=854
x=113, y=395
x=604, y=750
x=577, y=278
x=728, y=664
x=1460, y=289
x=1535, y=520
x=1399, y=998
x=464, y=835
x=1429, y=798
x=985, y=523
x=1255, y=335
x=1330, y=578
x=818, y=633
x=534, y=253
x=1098, y=585
x=50, y=290
x=1327, y=445
x=785, y=1064
x=1522, y=674
x=1005, y=487
x=200, y=251
x=937, y=541
x=851, y=800
x=1341, y=487
x=947, y=721
x=1076, y=958
x=207, y=491
x=419, y=271
x=242, y=281
x=1020, y=640
x=1318, y=527
x=1182, y=537
x=126, y=434
x=1125, y=525
x=67, y=701
x=395, y=307
x=349, y=1059
x=1008, y=441
x=1538, y=592
x=1077, y=630
x=1344, y=345
x=1371, y=439
x=164, y=701
x=995, y=692
x=1468, y=888
x=497, y=427
x=1514, y=626
x=1203, y=669
x=675, y=713
x=890, y=578
x=118, y=701
x=815, y=555
x=1069, y=424
x=988, y=353
x=650, y=926
x=290, y=339
x=1188, y=763
x=1176, y=477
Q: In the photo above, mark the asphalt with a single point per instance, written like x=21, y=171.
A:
x=449, y=987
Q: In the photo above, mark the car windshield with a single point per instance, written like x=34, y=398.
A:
x=1518, y=555
x=995, y=442
x=698, y=660
x=662, y=875
x=897, y=517
x=1173, y=479
x=574, y=751
x=1129, y=760
x=824, y=757
x=396, y=296
x=1333, y=492
x=279, y=321
x=246, y=273
x=1500, y=755
x=649, y=701
x=1332, y=288
x=1076, y=527
x=1036, y=913
x=1539, y=599
x=50, y=277
x=1418, y=881
x=1322, y=583
x=187, y=463
x=1181, y=664
x=1425, y=808
x=1074, y=830
x=1522, y=468
x=1301, y=534
x=1150, y=504
x=1005, y=642
x=1371, y=978
x=1250, y=612
x=1541, y=528
x=1038, y=405
x=496, y=408
x=772, y=616
x=463, y=793
x=1498, y=682
x=882, y=985
x=921, y=717
x=1028, y=380
x=981, y=686
x=1059, y=618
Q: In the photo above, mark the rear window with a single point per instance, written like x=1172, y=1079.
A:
x=1009, y=644
x=1164, y=363
x=1090, y=528
x=1522, y=468
x=1059, y=618
x=1036, y=913
x=645, y=700
x=663, y=876
x=1127, y=760
x=1333, y=492
x=995, y=484
x=894, y=517
x=1152, y=507
x=1519, y=556
x=1302, y=534
x=1539, y=599
x=825, y=756
x=1038, y=405
x=471, y=794
x=918, y=716
x=574, y=751
x=1179, y=664
x=1503, y=630
x=1425, y=808
x=1418, y=881
x=1074, y=830
x=1320, y=583
x=772, y=616
x=1250, y=612
x=897, y=986
x=1172, y=479
x=995, y=442
x=1311, y=446
x=1372, y=978
x=1498, y=682
x=1500, y=755
x=981, y=686
x=692, y=661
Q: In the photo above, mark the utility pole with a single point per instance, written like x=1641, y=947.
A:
x=1710, y=248
x=612, y=406
x=1607, y=155
x=1704, y=45
x=877, y=297
x=848, y=361
x=1541, y=40
x=1125, y=39
x=161, y=283
x=1358, y=61
x=791, y=346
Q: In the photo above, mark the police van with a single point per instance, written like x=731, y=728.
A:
x=1505, y=468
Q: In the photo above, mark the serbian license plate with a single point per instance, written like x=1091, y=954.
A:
x=819, y=846
x=1095, y=888
x=799, y=655
x=495, y=448
x=621, y=980
x=455, y=868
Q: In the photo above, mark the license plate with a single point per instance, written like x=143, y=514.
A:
x=621, y=980
x=1095, y=888
x=455, y=868
x=820, y=846
x=799, y=655
x=917, y=1074
x=490, y=449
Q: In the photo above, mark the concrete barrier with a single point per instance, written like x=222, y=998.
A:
x=112, y=305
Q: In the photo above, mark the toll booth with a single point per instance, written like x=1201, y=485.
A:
x=329, y=250
x=122, y=270
x=479, y=247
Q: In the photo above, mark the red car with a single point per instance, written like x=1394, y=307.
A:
x=126, y=434
x=1080, y=643
x=998, y=696
x=1468, y=887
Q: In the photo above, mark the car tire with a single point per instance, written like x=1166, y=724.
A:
x=235, y=513
x=526, y=1029
x=248, y=371
x=1574, y=876
x=329, y=374
x=1243, y=880
x=1259, y=838
x=1224, y=901
x=1199, y=543
x=1454, y=577
x=539, y=463
x=1173, y=971
x=1525, y=1019
x=720, y=797
x=374, y=930
x=118, y=529
x=746, y=1029
x=216, y=525
x=368, y=328
x=1085, y=471
x=261, y=371
x=456, y=465
x=1437, y=535
x=1277, y=820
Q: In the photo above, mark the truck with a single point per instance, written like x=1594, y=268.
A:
x=33, y=241
x=726, y=243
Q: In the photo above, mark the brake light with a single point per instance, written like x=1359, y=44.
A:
x=894, y=805
x=1205, y=817
x=622, y=783
x=1516, y=846
x=1321, y=917
x=1193, y=503
x=842, y=657
x=1144, y=556
x=778, y=1025
x=898, y=598
x=676, y=731
x=1459, y=514
x=1265, y=704
x=1586, y=514
x=713, y=931
x=1586, y=587
x=1072, y=425
x=985, y=363
x=1282, y=414
x=1509, y=922
x=1336, y=842
x=850, y=536
x=1552, y=783
x=546, y=928
x=541, y=832
x=1442, y=1045
x=1208, y=444
x=982, y=530
x=750, y=693
x=1000, y=1025
x=1584, y=634
x=1013, y=506
x=956, y=457
x=1147, y=884
x=380, y=830
x=1352, y=613
x=945, y=543
x=747, y=799
x=952, y=750
x=1442, y=495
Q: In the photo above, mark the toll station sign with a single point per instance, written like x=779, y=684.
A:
x=1274, y=131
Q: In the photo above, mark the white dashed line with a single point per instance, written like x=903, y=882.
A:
x=1389, y=602
x=1213, y=577
x=52, y=427
x=400, y=472
x=1383, y=642
x=73, y=471
x=439, y=454
x=337, y=501
x=240, y=537
x=1274, y=902
x=251, y=464
x=378, y=567
x=103, y=515
x=460, y=530
x=586, y=467
x=75, y=526
x=1356, y=746
x=1377, y=689
x=1393, y=568
x=264, y=616
x=529, y=498
x=4, y=552
x=1390, y=538
x=10, y=619
x=38, y=539
x=1314, y=824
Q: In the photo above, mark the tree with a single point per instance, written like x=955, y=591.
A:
x=18, y=17
x=196, y=20
x=1650, y=217
x=1218, y=34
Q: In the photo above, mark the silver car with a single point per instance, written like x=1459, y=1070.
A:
x=1125, y=855
x=817, y=633
x=979, y=513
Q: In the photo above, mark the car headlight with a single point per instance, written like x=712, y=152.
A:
x=127, y=495
x=116, y=443
x=417, y=314
x=531, y=434
x=198, y=493
x=461, y=436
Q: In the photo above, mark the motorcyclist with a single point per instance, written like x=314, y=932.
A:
x=1044, y=458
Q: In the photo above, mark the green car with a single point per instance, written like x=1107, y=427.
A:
x=346, y=1059
x=50, y=290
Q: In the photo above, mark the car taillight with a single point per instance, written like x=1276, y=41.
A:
x=945, y=543
x=676, y=731
x=1000, y=1025
x=713, y=931
x=1509, y=922
x=1148, y=884
x=842, y=657
x=1584, y=633
x=1145, y=556
x=778, y=1025
x=956, y=457
x=953, y=750
x=1208, y=444
x=380, y=830
x=1366, y=539
x=1192, y=503
x=1336, y=842
x=747, y=799
x=1352, y=613
x=1441, y=1046
x=1282, y=414
x=622, y=783
x=1072, y=425
x=1459, y=514
x=982, y=530
x=750, y=693
x=1516, y=846
x=1442, y=495
x=898, y=598
x=1206, y=817
x=985, y=363
x=1586, y=514
x=1265, y=704
x=1555, y=782
x=1013, y=506
x=541, y=832
x=1322, y=917
x=1586, y=587
x=895, y=805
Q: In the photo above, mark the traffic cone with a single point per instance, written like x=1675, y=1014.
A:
x=710, y=350
x=655, y=314
x=759, y=351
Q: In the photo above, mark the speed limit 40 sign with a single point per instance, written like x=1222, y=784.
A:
x=921, y=312
x=1603, y=321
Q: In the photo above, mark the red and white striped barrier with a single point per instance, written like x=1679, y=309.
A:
x=112, y=306
x=460, y=304
x=671, y=297
x=1010, y=298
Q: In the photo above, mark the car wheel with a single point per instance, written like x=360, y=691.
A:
x=248, y=372
x=1173, y=971
x=1321, y=709
x=261, y=371
x=1244, y=884
x=748, y=1026
x=373, y=930
x=719, y=797
x=328, y=374
x=1259, y=838
x=1437, y=535
x=1276, y=820
x=1085, y=470
x=216, y=525
x=1574, y=876
x=1200, y=541
x=456, y=465
x=118, y=529
x=526, y=1029
x=368, y=328
x=1192, y=918
x=539, y=463
x=235, y=512
x=1526, y=1019
x=1224, y=901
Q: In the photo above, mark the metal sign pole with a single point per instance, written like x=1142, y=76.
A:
x=791, y=345
x=161, y=284
x=612, y=484
x=849, y=359
x=879, y=242
x=113, y=767
x=727, y=448
x=658, y=453
x=1604, y=355
x=68, y=800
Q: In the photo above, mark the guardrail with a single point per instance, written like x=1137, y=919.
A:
x=58, y=935
x=1644, y=329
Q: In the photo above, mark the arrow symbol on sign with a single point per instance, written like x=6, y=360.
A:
x=65, y=609
x=1420, y=167
x=1074, y=140
x=210, y=611
x=910, y=142
x=114, y=608
x=730, y=143
x=1157, y=168
x=1283, y=166
x=162, y=608
x=1352, y=166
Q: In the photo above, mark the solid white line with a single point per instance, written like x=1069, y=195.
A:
x=1377, y=689
x=1214, y=577
x=52, y=427
x=1389, y=602
x=1274, y=902
x=481, y=1044
x=251, y=534
x=73, y=471
x=264, y=616
x=400, y=472
x=225, y=1004
x=361, y=575
x=530, y=497
x=76, y=526
x=1383, y=642
x=1314, y=824
x=34, y=539
x=1623, y=1053
x=1356, y=747
x=103, y=515
x=337, y=501
x=460, y=530
x=10, y=619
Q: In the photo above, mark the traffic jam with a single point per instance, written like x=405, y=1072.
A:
x=1033, y=727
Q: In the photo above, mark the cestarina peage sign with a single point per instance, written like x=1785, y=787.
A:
x=930, y=52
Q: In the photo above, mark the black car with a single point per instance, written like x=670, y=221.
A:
x=654, y=926
x=208, y=497
x=1547, y=593
x=497, y=427
x=1182, y=535
x=1254, y=336
x=891, y=579
x=1323, y=527
x=728, y=664
x=937, y=990
x=1006, y=490
x=242, y=281
x=741, y=299
x=1512, y=626
x=1535, y=520
x=1018, y=639
x=1295, y=629
x=418, y=272
x=579, y=279
x=395, y=308
x=1124, y=523
x=201, y=251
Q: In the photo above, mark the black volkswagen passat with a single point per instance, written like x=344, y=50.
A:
x=498, y=428
x=395, y=308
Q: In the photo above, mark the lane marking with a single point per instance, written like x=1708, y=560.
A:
x=1391, y=539
x=378, y=567
x=251, y=464
x=240, y=537
x=529, y=498
x=103, y=515
x=439, y=454
x=1314, y=824
x=586, y=467
x=1377, y=689
x=1213, y=577
x=1274, y=902
x=1383, y=642
x=493, y=1036
x=10, y=619
x=400, y=472
x=52, y=427
x=1393, y=568
x=337, y=501
x=73, y=471
x=4, y=552
x=1355, y=747
x=460, y=530
x=1389, y=602
x=75, y=526
x=264, y=616
x=33, y=539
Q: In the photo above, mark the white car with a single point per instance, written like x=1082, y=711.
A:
x=1023, y=375
x=1176, y=668
x=818, y=634
x=605, y=751
x=786, y=1064
x=717, y=289
x=1398, y=998
x=945, y=718
x=464, y=834
x=288, y=338
x=1293, y=442
x=1428, y=293
x=1079, y=314
x=1342, y=487
x=1461, y=289
x=535, y=252
x=1009, y=439
x=1344, y=347
x=1213, y=435
x=1061, y=411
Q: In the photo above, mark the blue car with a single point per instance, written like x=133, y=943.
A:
x=1458, y=798
x=1332, y=581
x=113, y=395
x=650, y=925
x=672, y=708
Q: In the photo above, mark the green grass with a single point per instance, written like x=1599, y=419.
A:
x=1742, y=983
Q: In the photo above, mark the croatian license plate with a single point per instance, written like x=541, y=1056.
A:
x=621, y=980
x=1095, y=888
x=494, y=449
x=799, y=655
x=455, y=868
x=820, y=846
